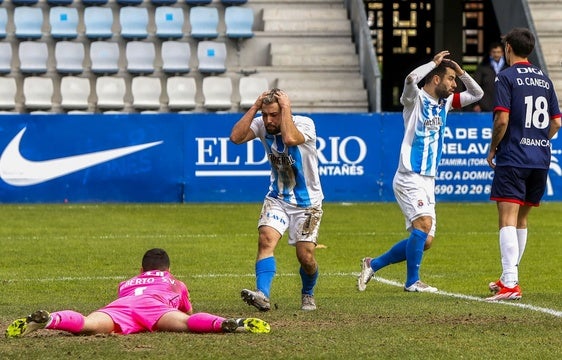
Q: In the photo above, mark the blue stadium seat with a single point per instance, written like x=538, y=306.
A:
x=198, y=2
x=69, y=57
x=33, y=57
x=169, y=22
x=140, y=57
x=163, y=2
x=129, y=2
x=5, y=57
x=3, y=22
x=24, y=2
x=28, y=22
x=98, y=22
x=134, y=22
x=175, y=56
x=239, y=22
x=94, y=2
x=104, y=56
x=64, y=22
x=204, y=22
x=233, y=2
x=211, y=56
x=59, y=2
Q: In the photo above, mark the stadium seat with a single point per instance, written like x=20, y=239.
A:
x=38, y=92
x=24, y=2
x=5, y=57
x=198, y=2
x=250, y=88
x=94, y=2
x=163, y=2
x=104, y=56
x=233, y=2
x=69, y=57
x=129, y=2
x=28, y=22
x=140, y=57
x=75, y=92
x=110, y=92
x=175, y=56
x=8, y=90
x=217, y=93
x=204, y=21
x=239, y=22
x=134, y=22
x=98, y=22
x=3, y=22
x=146, y=92
x=64, y=22
x=33, y=57
x=211, y=56
x=169, y=22
x=181, y=93
x=59, y=2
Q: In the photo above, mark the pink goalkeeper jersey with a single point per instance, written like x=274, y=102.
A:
x=143, y=300
x=160, y=284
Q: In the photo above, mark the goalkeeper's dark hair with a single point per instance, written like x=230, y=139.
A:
x=155, y=259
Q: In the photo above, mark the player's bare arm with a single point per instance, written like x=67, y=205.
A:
x=554, y=127
x=241, y=131
x=289, y=132
x=501, y=119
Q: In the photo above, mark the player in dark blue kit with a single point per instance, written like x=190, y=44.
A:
x=526, y=117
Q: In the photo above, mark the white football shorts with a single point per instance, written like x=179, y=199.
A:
x=303, y=223
x=415, y=195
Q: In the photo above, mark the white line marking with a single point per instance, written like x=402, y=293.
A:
x=553, y=312
x=474, y=298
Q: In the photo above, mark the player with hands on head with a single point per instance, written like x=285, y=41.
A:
x=152, y=301
x=294, y=200
x=425, y=118
x=526, y=117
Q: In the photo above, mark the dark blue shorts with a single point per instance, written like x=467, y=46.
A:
x=523, y=186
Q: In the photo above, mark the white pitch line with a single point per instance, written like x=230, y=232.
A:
x=549, y=311
x=474, y=298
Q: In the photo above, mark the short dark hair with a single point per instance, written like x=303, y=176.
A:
x=440, y=70
x=521, y=40
x=155, y=259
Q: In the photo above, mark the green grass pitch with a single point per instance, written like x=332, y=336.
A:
x=72, y=256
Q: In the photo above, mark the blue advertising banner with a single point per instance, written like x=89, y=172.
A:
x=189, y=158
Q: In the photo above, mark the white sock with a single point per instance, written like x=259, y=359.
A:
x=522, y=240
x=509, y=249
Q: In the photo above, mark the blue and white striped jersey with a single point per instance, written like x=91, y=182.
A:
x=425, y=119
x=294, y=169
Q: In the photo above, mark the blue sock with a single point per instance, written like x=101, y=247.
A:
x=414, y=254
x=397, y=253
x=308, y=282
x=265, y=271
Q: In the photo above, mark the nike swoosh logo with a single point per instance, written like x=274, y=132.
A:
x=18, y=171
